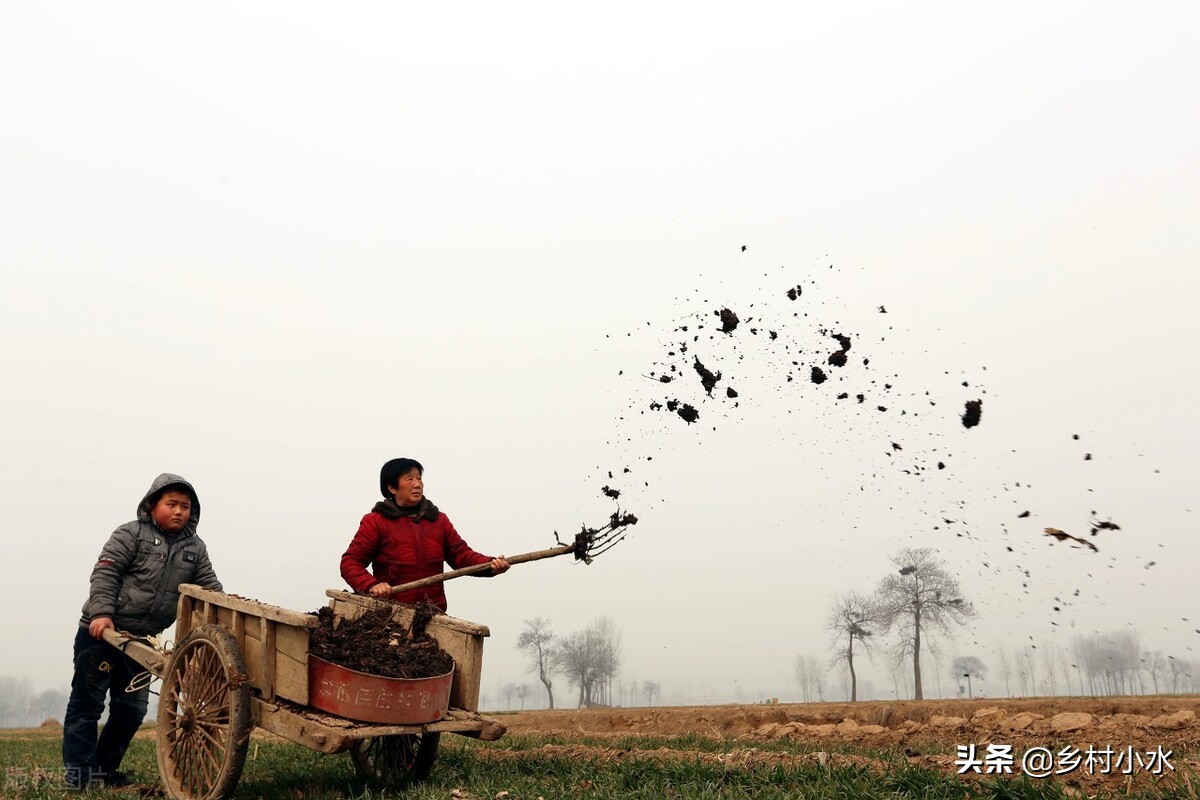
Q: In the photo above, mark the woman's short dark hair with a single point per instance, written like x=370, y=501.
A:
x=390, y=474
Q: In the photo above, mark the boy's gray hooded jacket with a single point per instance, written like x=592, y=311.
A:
x=136, y=579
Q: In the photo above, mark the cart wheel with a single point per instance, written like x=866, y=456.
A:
x=406, y=758
x=204, y=719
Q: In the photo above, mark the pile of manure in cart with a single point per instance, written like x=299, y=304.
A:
x=377, y=644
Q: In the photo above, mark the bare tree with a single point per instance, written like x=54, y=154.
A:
x=801, y=666
x=936, y=652
x=15, y=694
x=809, y=675
x=1005, y=668
x=537, y=641
x=850, y=620
x=1050, y=660
x=969, y=667
x=1067, y=663
x=900, y=676
x=651, y=688
x=921, y=597
x=1178, y=668
x=1031, y=666
x=590, y=660
x=522, y=692
x=1022, y=671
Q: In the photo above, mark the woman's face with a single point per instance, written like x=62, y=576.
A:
x=409, y=488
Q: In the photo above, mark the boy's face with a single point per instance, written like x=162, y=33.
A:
x=409, y=488
x=172, y=511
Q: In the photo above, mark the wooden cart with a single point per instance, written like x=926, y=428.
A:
x=238, y=664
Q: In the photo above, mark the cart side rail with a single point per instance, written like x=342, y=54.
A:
x=273, y=640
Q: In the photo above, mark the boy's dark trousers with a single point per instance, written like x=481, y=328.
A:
x=100, y=669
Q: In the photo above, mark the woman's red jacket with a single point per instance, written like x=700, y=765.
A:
x=403, y=550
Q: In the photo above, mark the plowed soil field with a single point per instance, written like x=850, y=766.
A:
x=926, y=733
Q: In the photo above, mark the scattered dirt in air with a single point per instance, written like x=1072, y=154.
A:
x=818, y=375
x=729, y=320
x=609, y=492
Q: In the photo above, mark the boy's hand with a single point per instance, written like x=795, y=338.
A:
x=380, y=590
x=499, y=565
x=97, y=626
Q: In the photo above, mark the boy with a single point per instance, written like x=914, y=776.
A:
x=135, y=588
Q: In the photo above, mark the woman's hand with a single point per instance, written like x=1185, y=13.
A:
x=99, y=625
x=499, y=565
x=380, y=589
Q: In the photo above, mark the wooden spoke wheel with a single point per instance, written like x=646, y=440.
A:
x=204, y=719
x=402, y=759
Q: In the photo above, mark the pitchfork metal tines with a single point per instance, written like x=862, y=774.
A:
x=591, y=542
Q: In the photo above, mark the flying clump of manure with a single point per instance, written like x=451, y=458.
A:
x=973, y=411
x=838, y=357
x=708, y=379
x=729, y=320
x=685, y=411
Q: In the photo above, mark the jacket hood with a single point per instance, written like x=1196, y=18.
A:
x=161, y=482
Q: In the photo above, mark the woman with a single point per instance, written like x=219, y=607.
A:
x=406, y=538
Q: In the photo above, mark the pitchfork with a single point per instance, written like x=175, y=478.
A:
x=589, y=543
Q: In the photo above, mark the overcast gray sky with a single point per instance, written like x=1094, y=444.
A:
x=270, y=246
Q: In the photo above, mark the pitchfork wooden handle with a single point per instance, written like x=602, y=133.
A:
x=537, y=555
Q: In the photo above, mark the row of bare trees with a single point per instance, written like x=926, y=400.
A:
x=22, y=707
x=920, y=598
x=589, y=659
x=1098, y=664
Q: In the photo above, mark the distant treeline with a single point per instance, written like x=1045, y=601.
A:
x=22, y=707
